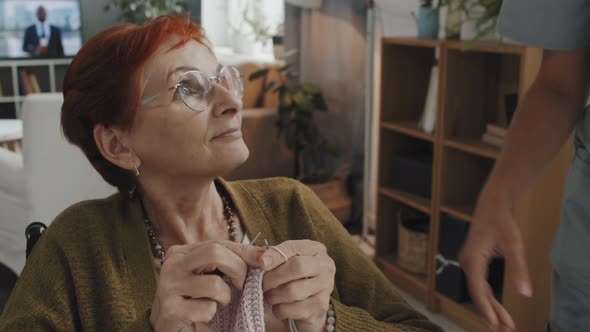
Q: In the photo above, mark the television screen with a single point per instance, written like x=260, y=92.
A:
x=39, y=29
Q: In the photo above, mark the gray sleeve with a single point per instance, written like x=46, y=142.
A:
x=548, y=24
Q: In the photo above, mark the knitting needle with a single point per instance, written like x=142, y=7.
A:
x=255, y=238
x=292, y=325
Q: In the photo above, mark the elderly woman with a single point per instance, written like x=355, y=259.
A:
x=159, y=118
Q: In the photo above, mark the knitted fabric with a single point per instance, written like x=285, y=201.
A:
x=247, y=314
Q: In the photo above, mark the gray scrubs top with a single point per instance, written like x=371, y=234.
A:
x=561, y=25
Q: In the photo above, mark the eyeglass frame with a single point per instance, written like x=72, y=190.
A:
x=216, y=79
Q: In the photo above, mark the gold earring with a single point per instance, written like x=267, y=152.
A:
x=136, y=171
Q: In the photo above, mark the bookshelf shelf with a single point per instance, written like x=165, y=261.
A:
x=413, y=201
x=407, y=128
x=486, y=47
x=473, y=145
x=464, y=212
x=407, y=41
x=9, y=99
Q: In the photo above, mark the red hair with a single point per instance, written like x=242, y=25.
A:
x=102, y=84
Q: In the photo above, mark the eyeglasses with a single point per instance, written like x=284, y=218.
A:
x=195, y=88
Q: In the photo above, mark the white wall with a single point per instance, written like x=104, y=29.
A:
x=392, y=18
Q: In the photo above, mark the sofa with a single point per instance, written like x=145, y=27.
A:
x=47, y=177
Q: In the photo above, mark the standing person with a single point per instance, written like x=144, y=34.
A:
x=547, y=115
x=43, y=39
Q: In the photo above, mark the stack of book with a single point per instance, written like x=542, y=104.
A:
x=495, y=135
x=29, y=82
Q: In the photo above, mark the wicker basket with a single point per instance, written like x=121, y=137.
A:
x=412, y=241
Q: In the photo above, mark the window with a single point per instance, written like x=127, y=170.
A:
x=243, y=27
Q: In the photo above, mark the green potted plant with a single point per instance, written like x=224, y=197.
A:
x=314, y=155
x=139, y=11
x=478, y=18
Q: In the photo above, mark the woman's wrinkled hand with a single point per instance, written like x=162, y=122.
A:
x=189, y=291
x=299, y=285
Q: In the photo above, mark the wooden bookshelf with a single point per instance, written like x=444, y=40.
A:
x=473, y=82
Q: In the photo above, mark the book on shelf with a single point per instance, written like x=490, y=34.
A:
x=26, y=81
x=1, y=90
x=496, y=130
x=493, y=140
x=34, y=83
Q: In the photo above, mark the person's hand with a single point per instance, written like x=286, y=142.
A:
x=190, y=289
x=494, y=233
x=40, y=50
x=300, y=287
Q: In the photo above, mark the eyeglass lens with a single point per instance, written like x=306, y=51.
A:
x=194, y=87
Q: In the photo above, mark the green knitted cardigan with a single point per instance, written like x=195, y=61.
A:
x=92, y=270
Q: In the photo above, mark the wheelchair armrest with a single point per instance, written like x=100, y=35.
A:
x=33, y=234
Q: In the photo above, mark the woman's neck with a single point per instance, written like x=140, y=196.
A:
x=184, y=213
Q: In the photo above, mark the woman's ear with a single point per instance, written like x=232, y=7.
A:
x=113, y=145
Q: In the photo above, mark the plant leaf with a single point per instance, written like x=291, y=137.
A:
x=258, y=74
x=311, y=88
x=285, y=98
x=302, y=100
x=318, y=103
x=269, y=86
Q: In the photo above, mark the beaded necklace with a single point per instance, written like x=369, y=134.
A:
x=155, y=239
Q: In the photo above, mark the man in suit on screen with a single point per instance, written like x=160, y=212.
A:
x=43, y=39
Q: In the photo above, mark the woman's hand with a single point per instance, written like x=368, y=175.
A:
x=300, y=287
x=188, y=292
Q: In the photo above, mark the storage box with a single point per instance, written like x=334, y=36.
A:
x=412, y=174
x=450, y=278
